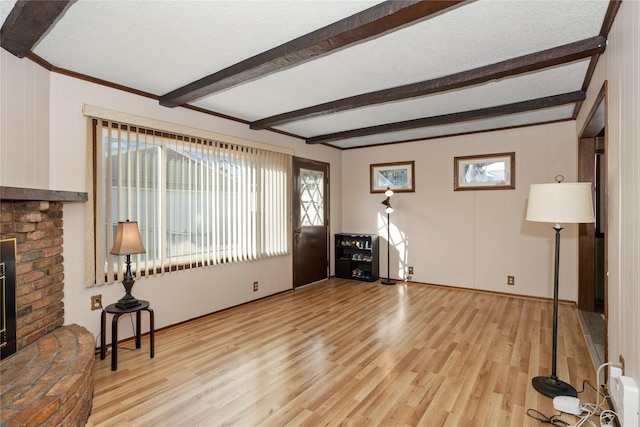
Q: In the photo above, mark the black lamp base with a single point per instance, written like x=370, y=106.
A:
x=552, y=387
x=388, y=282
x=127, y=301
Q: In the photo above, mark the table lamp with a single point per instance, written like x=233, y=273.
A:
x=127, y=242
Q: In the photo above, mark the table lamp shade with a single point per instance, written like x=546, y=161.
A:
x=127, y=240
x=560, y=203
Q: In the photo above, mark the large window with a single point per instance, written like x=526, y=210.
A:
x=197, y=202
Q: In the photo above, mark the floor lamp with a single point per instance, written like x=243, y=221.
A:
x=558, y=203
x=388, y=209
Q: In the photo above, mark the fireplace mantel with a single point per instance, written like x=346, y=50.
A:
x=32, y=194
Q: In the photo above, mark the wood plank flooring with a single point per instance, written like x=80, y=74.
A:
x=343, y=352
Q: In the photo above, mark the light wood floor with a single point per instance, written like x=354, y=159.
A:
x=343, y=352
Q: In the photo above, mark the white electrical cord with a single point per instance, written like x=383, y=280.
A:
x=584, y=418
x=606, y=416
x=589, y=410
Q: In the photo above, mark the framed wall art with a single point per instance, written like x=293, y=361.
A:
x=485, y=172
x=398, y=176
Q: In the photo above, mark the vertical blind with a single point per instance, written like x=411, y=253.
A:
x=198, y=202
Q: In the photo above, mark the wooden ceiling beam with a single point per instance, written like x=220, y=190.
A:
x=27, y=22
x=384, y=17
x=464, y=116
x=523, y=64
x=609, y=17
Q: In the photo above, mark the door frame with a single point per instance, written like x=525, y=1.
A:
x=586, y=232
x=596, y=121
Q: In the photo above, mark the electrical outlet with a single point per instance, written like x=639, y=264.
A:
x=255, y=286
x=410, y=271
x=96, y=302
x=511, y=280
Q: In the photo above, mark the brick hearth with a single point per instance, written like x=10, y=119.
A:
x=50, y=381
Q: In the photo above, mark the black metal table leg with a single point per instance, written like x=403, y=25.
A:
x=114, y=342
x=151, y=332
x=103, y=339
x=138, y=328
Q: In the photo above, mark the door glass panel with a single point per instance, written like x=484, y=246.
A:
x=311, y=197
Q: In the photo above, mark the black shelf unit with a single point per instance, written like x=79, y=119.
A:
x=356, y=256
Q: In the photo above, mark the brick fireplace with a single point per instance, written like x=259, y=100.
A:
x=36, y=229
x=47, y=379
x=32, y=218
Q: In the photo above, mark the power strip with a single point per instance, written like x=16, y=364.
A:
x=568, y=404
x=624, y=395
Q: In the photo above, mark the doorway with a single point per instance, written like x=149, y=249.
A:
x=310, y=221
x=592, y=249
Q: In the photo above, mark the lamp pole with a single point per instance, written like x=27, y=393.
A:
x=551, y=386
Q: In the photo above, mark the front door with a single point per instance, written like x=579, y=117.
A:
x=310, y=221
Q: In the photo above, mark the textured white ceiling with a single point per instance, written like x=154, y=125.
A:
x=549, y=82
x=540, y=116
x=5, y=8
x=480, y=33
x=159, y=46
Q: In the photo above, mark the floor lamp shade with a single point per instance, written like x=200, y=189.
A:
x=558, y=203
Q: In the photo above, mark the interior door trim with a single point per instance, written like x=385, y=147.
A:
x=598, y=119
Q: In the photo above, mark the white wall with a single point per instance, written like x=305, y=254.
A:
x=620, y=68
x=24, y=115
x=43, y=145
x=471, y=239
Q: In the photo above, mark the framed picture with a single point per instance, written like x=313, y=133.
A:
x=485, y=172
x=397, y=176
